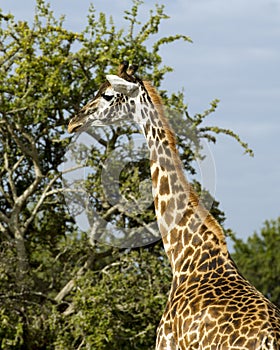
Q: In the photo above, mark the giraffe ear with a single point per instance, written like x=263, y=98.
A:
x=123, y=86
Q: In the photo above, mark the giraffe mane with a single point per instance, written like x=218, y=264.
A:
x=157, y=102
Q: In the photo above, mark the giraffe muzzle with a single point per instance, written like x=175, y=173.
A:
x=74, y=125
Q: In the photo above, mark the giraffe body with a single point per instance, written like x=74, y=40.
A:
x=211, y=306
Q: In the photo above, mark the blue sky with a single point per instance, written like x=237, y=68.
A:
x=234, y=57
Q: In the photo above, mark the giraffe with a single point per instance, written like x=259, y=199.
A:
x=211, y=306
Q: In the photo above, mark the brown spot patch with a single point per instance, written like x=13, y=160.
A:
x=150, y=142
x=171, y=205
x=168, y=218
x=162, y=207
x=156, y=202
x=155, y=177
x=164, y=186
x=196, y=240
x=162, y=229
x=147, y=128
x=173, y=236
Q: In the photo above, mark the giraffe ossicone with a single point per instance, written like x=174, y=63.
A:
x=211, y=306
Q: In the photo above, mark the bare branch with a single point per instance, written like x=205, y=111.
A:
x=72, y=169
x=39, y=203
x=30, y=152
x=26, y=194
x=47, y=192
x=16, y=110
x=4, y=218
x=24, y=294
x=4, y=231
x=87, y=265
x=23, y=265
x=16, y=165
x=10, y=176
x=7, y=196
x=109, y=266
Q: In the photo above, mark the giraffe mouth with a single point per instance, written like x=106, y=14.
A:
x=73, y=129
x=74, y=126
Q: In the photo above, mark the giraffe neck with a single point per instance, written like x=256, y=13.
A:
x=190, y=234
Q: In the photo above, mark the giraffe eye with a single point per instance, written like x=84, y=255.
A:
x=107, y=97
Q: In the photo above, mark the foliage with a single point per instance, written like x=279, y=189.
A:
x=113, y=302
x=58, y=289
x=258, y=259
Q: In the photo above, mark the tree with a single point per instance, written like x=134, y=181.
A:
x=258, y=259
x=54, y=281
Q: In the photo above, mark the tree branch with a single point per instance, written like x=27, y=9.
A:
x=10, y=177
x=30, y=152
x=47, y=192
x=39, y=203
x=87, y=265
x=4, y=218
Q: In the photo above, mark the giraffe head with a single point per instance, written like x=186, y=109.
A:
x=117, y=99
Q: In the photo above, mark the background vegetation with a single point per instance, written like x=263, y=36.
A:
x=61, y=288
